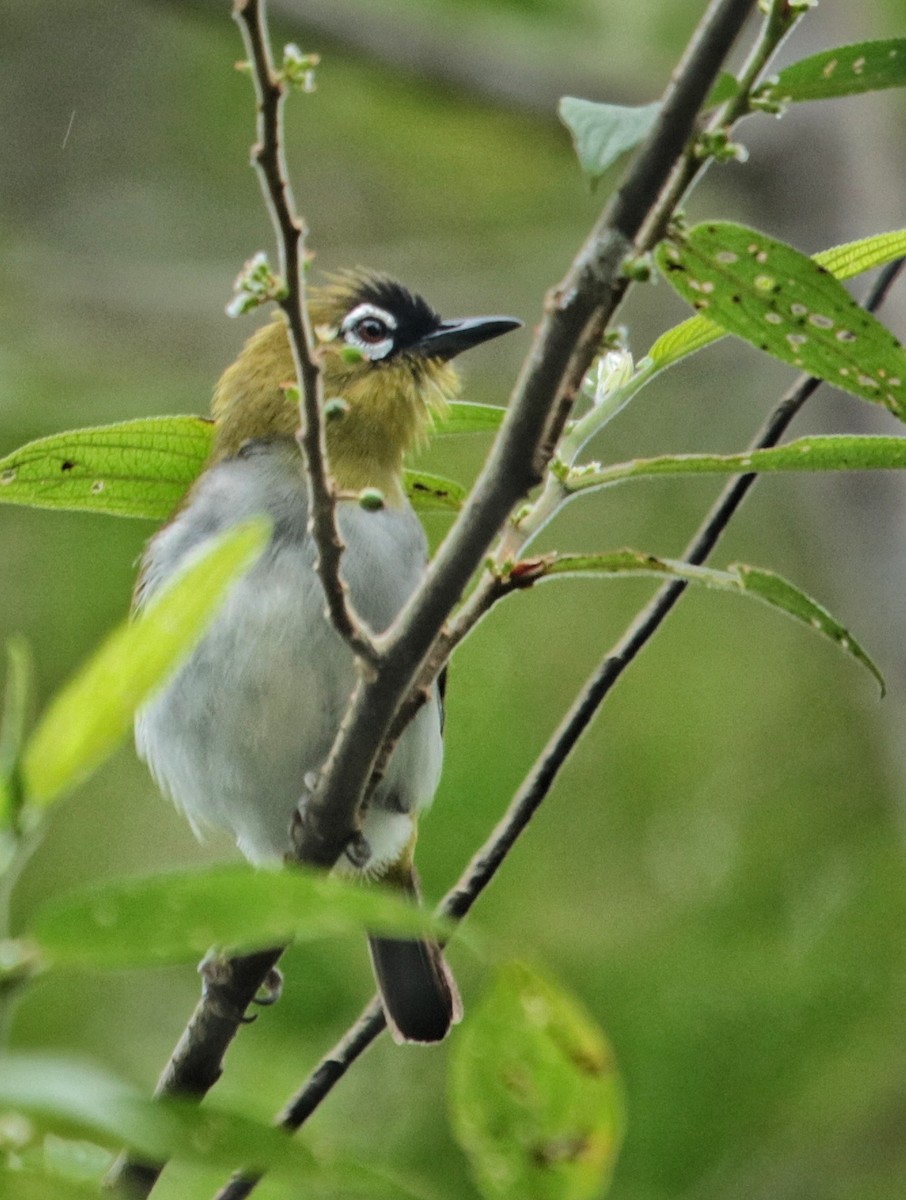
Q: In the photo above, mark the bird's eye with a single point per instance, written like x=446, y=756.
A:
x=371, y=330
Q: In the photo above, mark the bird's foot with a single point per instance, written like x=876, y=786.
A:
x=271, y=989
x=357, y=849
x=216, y=977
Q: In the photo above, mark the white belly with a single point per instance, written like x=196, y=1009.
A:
x=254, y=711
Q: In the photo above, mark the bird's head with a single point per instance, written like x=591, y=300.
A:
x=384, y=354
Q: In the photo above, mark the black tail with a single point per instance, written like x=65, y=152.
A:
x=419, y=994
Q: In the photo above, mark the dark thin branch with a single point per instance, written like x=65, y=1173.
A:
x=289, y=227
x=230, y=986
x=331, y=1069
x=576, y=314
x=537, y=784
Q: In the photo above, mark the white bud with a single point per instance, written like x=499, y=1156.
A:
x=609, y=372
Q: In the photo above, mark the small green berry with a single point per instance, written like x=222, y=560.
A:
x=335, y=408
x=371, y=499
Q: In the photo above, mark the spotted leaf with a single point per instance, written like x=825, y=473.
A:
x=135, y=468
x=433, y=493
x=843, y=262
x=535, y=1094
x=844, y=71
x=787, y=305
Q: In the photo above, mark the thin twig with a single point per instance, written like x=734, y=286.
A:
x=576, y=314
x=197, y=1061
x=269, y=160
x=537, y=784
x=331, y=1069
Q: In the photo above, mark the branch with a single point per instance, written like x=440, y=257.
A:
x=576, y=314
x=331, y=1069
x=269, y=161
x=537, y=784
x=230, y=986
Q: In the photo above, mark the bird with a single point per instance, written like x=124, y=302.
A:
x=245, y=723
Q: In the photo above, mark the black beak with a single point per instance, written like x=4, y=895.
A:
x=452, y=337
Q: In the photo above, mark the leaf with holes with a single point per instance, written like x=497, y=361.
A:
x=740, y=578
x=136, y=468
x=87, y=718
x=143, y=468
x=787, y=305
x=433, y=493
x=602, y=132
x=845, y=71
x=843, y=262
x=535, y=1094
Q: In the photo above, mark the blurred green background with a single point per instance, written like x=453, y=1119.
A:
x=719, y=872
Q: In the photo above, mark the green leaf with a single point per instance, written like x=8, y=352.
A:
x=786, y=304
x=143, y=468
x=602, y=132
x=845, y=71
x=536, y=1100
x=462, y=416
x=132, y=469
x=177, y=917
x=726, y=86
x=843, y=262
x=821, y=452
x=738, y=577
x=86, y=720
x=16, y=700
x=66, y=1097
x=31, y=1184
x=433, y=493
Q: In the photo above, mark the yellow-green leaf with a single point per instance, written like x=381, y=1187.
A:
x=138, y=468
x=739, y=577
x=536, y=1099
x=463, y=416
x=819, y=452
x=85, y=721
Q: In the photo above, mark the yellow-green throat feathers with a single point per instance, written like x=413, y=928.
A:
x=383, y=351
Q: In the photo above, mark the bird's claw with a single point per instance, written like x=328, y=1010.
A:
x=358, y=851
x=271, y=990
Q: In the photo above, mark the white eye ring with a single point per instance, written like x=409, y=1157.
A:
x=353, y=330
